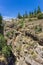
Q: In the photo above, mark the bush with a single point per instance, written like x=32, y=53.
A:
x=30, y=19
x=38, y=28
x=40, y=16
x=2, y=42
x=8, y=34
x=4, y=49
x=21, y=24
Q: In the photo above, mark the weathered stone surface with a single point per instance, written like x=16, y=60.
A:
x=26, y=41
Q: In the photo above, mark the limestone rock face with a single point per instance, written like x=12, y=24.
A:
x=27, y=51
x=26, y=39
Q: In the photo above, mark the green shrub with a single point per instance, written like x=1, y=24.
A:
x=2, y=42
x=8, y=34
x=30, y=19
x=38, y=28
x=4, y=49
x=21, y=24
x=40, y=16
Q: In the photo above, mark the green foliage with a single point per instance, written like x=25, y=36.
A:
x=1, y=25
x=25, y=15
x=40, y=16
x=8, y=34
x=38, y=10
x=12, y=32
x=35, y=13
x=30, y=19
x=4, y=49
x=19, y=16
x=2, y=42
x=0, y=19
x=30, y=14
x=38, y=28
x=21, y=24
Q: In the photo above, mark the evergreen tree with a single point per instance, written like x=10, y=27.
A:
x=35, y=13
x=1, y=25
x=38, y=10
x=31, y=14
x=26, y=14
x=19, y=16
x=0, y=19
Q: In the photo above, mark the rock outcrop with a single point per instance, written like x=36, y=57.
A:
x=26, y=39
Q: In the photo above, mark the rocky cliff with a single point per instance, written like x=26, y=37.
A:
x=26, y=38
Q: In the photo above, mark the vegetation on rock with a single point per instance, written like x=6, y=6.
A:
x=19, y=16
x=4, y=49
x=1, y=24
x=38, y=28
x=35, y=14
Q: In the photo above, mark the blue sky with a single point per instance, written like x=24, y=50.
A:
x=10, y=8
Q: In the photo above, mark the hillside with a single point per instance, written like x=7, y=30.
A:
x=26, y=38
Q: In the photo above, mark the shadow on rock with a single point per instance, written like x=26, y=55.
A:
x=11, y=60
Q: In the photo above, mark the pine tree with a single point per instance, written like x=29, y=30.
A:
x=35, y=13
x=26, y=14
x=31, y=14
x=19, y=16
x=1, y=25
x=38, y=10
